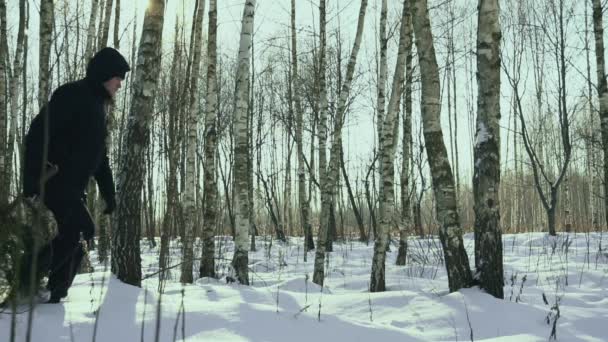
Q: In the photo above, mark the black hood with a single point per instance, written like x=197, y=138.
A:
x=106, y=63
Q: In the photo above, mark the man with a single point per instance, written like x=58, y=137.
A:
x=73, y=125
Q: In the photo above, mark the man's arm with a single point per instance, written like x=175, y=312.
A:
x=47, y=126
x=105, y=182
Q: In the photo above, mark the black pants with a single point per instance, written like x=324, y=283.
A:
x=66, y=251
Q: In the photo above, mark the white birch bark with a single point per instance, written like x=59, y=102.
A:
x=47, y=18
x=91, y=30
x=116, y=24
x=406, y=216
x=319, y=273
x=486, y=176
x=450, y=232
x=105, y=28
x=329, y=184
x=303, y=200
x=126, y=259
x=388, y=142
x=191, y=181
x=241, y=257
x=381, y=99
x=4, y=75
x=207, y=268
x=602, y=87
x=14, y=84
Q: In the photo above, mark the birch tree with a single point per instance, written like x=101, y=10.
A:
x=486, y=176
x=4, y=160
x=602, y=86
x=407, y=146
x=47, y=18
x=14, y=84
x=304, y=202
x=191, y=181
x=330, y=178
x=105, y=26
x=450, y=232
x=319, y=273
x=90, y=43
x=241, y=257
x=207, y=267
x=126, y=260
x=381, y=88
x=388, y=216
x=116, y=24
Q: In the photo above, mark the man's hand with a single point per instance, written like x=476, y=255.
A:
x=110, y=205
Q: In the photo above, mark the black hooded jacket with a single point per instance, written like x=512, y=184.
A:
x=76, y=133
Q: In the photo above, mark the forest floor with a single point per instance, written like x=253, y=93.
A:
x=550, y=283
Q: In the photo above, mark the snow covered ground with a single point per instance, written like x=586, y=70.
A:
x=570, y=273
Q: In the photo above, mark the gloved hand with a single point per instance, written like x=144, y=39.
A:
x=88, y=233
x=110, y=205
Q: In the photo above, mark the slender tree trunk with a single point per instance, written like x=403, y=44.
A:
x=328, y=186
x=47, y=18
x=353, y=202
x=105, y=28
x=382, y=79
x=486, y=177
x=126, y=259
x=388, y=143
x=406, y=211
x=241, y=257
x=14, y=83
x=304, y=201
x=116, y=24
x=4, y=75
x=91, y=31
x=602, y=87
x=450, y=233
x=253, y=230
x=319, y=274
x=191, y=181
x=207, y=268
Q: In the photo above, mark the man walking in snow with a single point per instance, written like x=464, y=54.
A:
x=71, y=129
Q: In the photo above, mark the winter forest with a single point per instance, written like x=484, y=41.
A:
x=417, y=170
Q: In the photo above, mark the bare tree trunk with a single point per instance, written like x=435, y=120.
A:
x=450, y=233
x=407, y=145
x=126, y=259
x=353, y=203
x=304, y=201
x=253, y=229
x=455, y=107
x=602, y=87
x=91, y=31
x=486, y=177
x=105, y=28
x=382, y=79
x=328, y=186
x=4, y=75
x=280, y=235
x=116, y=24
x=207, y=268
x=148, y=194
x=14, y=83
x=388, y=143
x=191, y=182
x=241, y=257
x=47, y=18
x=319, y=274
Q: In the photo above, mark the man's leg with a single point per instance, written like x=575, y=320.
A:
x=72, y=217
